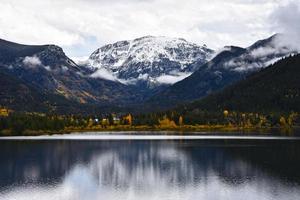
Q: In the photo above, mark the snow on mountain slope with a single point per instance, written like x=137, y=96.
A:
x=155, y=60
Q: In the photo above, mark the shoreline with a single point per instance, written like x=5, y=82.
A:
x=112, y=137
x=184, y=130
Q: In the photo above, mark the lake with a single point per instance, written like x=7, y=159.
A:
x=88, y=167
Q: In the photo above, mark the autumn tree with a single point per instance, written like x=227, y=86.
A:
x=128, y=119
x=166, y=122
x=282, y=121
x=180, y=121
x=291, y=118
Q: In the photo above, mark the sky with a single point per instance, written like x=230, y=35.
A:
x=82, y=26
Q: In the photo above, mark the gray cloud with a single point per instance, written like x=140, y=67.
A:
x=72, y=23
x=286, y=19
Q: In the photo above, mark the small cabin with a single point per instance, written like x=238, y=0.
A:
x=116, y=120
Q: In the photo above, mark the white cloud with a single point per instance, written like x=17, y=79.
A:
x=171, y=79
x=262, y=52
x=104, y=74
x=278, y=48
x=286, y=19
x=75, y=24
x=81, y=60
x=32, y=61
x=163, y=79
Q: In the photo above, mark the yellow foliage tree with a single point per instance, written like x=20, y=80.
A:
x=282, y=121
x=104, y=122
x=225, y=113
x=4, y=112
x=90, y=123
x=128, y=118
x=180, y=121
x=166, y=122
x=292, y=118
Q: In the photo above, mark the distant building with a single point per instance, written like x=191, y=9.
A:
x=104, y=122
x=116, y=120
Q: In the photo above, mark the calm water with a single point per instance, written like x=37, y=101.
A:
x=142, y=170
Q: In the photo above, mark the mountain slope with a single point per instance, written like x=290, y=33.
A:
x=15, y=94
x=230, y=65
x=21, y=96
x=150, y=60
x=50, y=71
x=273, y=89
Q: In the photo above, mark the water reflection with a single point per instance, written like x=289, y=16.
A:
x=149, y=170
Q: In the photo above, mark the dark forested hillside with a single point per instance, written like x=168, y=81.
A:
x=267, y=98
x=18, y=95
x=273, y=89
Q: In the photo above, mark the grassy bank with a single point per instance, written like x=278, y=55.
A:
x=186, y=129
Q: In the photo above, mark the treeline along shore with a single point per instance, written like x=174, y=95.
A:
x=15, y=124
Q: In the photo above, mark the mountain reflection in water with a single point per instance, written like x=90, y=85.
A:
x=138, y=170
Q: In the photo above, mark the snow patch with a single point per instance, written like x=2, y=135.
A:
x=48, y=68
x=64, y=68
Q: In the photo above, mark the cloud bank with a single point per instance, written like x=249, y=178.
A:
x=163, y=79
x=80, y=26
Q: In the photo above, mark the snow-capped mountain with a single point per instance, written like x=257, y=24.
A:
x=155, y=60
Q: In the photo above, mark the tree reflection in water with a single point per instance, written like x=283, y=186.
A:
x=149, y=170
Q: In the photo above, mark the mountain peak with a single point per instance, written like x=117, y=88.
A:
x=159, y=39
x=10, y=51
